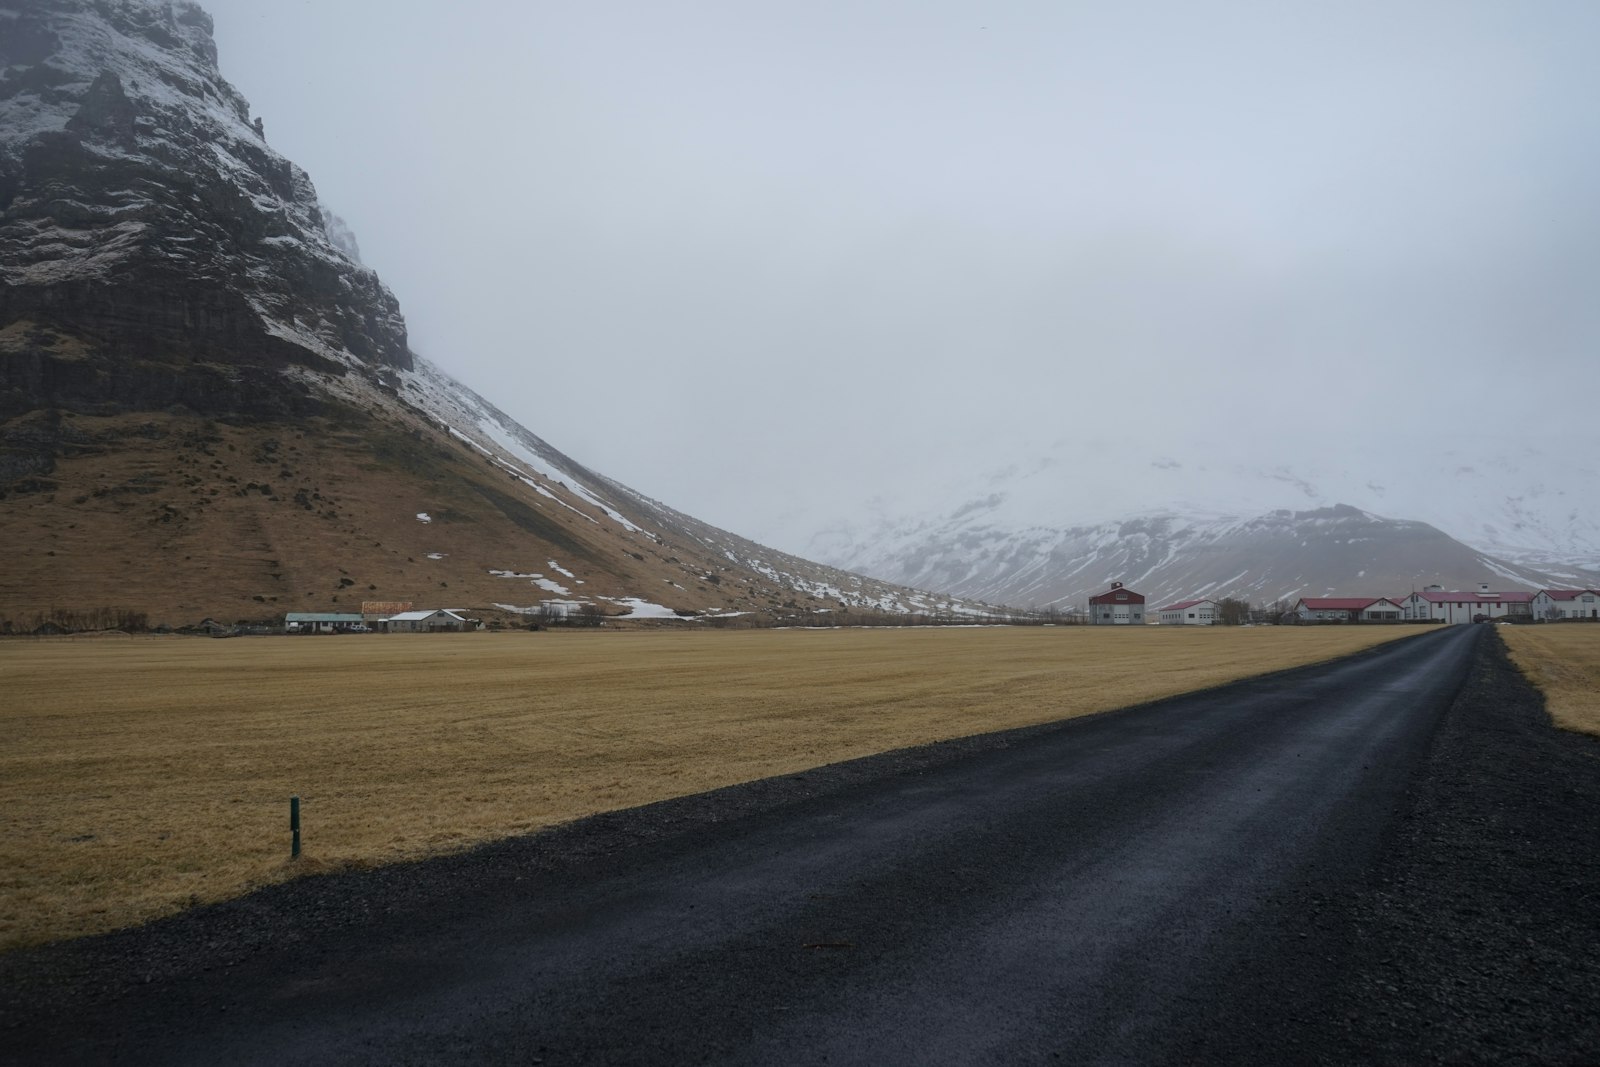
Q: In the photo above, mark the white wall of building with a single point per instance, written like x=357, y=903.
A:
x=1383, y=611
x=1205, y=613
x=1585, y=605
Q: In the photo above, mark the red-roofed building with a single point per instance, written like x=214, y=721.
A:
x=1117, y=606
x=1190, y=613
x=1348, y=609
x=1555, y=604
x=1453, y=606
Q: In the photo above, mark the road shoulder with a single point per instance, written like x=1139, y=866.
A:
x=1476, y=936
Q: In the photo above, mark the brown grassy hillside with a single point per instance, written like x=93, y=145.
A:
x=184, y=517
x=182, y=489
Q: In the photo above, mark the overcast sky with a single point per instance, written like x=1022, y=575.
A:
x=765, y=262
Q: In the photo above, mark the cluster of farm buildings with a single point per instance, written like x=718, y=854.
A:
x=380, y=617
x=1122, y=606
x=1117, y=606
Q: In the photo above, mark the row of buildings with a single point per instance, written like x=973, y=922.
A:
x=380, y=617
x=1120, y=606
x=1436, y=604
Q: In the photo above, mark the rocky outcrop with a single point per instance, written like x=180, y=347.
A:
x=143, y=214
x=41, y=369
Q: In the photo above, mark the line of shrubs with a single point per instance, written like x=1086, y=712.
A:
x=62, y=621
x=77, y=621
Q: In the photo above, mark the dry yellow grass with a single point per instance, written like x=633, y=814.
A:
x=1564, y=662
x=141, y=775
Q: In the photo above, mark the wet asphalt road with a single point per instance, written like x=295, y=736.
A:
x=1076, y=893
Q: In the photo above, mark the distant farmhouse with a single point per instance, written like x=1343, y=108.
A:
x=323, y=622
x=1190, y=613
x=1117, y=606
x=439, y=620
x=1348, y=609
x=1555, y=604
x=405, y=621
x=1435, y=604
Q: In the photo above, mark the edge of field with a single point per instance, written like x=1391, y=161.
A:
x=1561, y=661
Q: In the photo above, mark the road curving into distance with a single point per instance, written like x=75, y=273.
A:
x=1089, y=890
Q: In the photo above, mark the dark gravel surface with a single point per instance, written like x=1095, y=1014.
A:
x=1476, y=937
x=1334, y=864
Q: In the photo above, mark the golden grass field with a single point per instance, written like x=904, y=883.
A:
x=1564, y=662
x=141, y=775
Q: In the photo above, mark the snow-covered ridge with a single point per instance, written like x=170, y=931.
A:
x=1280, y=554
x=472, y=419
x=1045, y=524
x=164, y=63
x=133, y=162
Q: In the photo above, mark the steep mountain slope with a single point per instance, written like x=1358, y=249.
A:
x=1279, y=555
x=208, y=405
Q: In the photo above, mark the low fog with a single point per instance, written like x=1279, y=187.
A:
x=775, y=266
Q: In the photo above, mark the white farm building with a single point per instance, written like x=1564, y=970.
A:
x=1347, y=609
x=438, y=620
x=1435, y=604
x=1190, y=613
x=1555, y=604
x=323, y=622
x=1117, y=606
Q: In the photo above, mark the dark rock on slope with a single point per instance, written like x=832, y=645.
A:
x=145, y=216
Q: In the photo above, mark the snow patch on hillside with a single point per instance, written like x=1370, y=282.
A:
x=476, y=422
x=639, y=608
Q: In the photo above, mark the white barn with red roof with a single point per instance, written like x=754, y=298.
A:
x=1333, y=608
x=1453, y=606
x=1117, y=606
x=1556, y=604
x=1348, y=609
x=1190, y=613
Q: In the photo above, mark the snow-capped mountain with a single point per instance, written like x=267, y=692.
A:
x=1279, y=555
x=208, y=404
x=1058, y=529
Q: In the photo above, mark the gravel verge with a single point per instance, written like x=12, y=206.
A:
x=1476, y=936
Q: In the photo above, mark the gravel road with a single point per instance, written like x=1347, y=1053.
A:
x=1391, y=858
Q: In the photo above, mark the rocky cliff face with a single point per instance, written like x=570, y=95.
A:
x=144, y=218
